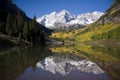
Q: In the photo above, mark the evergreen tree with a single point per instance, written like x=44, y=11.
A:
x=25, y=30
x=20, y=22
x=34, y=26
x=33, y=30
x=9, y=24
x=30, y=31
x=2, y=26
x=15, y=27
x=42, y=37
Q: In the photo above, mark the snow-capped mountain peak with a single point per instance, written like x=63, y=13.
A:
x=64, y=12
x=64, y=19
x=53, y=13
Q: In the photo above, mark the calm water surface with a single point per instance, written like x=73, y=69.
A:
x=76, y=62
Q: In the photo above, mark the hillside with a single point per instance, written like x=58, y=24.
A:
x=107, y=27
x=15, y=23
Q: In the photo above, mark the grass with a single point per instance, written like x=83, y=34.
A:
x=90, y=33
x=98, y=31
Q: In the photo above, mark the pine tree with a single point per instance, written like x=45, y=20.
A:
x=25, y=30
x=9, y=24
x=33, y=30
x=2, y=26
x=13, y=27
x=34, y=26
x=15, y=32
x=20, y=22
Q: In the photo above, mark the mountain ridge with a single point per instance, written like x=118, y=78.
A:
x=64, y=19
x=107, y=27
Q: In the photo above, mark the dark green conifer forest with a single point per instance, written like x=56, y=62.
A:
x=14, y=23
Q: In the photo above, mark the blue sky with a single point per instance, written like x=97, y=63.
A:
x=43, y=7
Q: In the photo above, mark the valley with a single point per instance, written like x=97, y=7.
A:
x=105, y=28
x=59, y=45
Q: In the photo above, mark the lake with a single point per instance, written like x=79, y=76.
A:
x=64, y=62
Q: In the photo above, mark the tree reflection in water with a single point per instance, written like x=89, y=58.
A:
x=76, y=62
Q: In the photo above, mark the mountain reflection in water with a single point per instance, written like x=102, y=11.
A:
x=75, y=62
x=59, y=67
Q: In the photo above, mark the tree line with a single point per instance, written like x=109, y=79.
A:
x=22, y=29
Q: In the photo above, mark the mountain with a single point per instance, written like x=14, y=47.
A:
x=8, y=6
x=106, y=27
x=19, y=27
x=112, y=14
x=65, y=20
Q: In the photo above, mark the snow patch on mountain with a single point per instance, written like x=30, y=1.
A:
x=64, y=19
